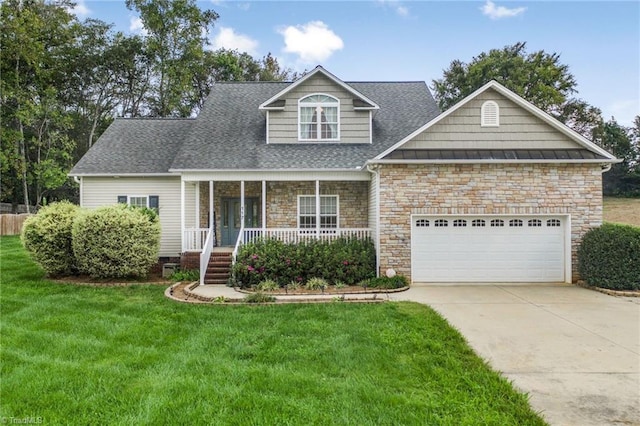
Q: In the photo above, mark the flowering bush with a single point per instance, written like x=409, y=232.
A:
x=346, y=260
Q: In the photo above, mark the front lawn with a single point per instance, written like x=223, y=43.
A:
x=127, y=355
x=622, y=210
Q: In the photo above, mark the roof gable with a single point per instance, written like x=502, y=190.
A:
x=360, y=100
x=551, y=134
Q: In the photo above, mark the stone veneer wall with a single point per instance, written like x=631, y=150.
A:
x=282, y=200
x=574, y=189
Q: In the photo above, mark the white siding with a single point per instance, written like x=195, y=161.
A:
x=354, y=125
x=103, y=191
x=518, y=129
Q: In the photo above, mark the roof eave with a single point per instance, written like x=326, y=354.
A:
x=327, y=74
x=496, y=161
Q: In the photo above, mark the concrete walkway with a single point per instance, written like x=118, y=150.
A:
x=575, y=351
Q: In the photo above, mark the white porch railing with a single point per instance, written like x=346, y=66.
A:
x=205, y=255
x=296, y=235
x=194, y=239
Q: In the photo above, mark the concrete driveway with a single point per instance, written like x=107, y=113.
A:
x=576, y=352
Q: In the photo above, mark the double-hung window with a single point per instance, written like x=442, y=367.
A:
x=307, y=212
x=319, y=118
x=149, y=201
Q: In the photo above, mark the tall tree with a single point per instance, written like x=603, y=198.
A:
x=176, y=36
x=538, y=77
x=35, y=148
x=624, y=143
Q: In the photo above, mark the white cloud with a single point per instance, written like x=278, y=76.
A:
x=312, y=42
x=80, y=9
x=396, y=6
x=136, y=26
x=227, y=38
x=498, y=12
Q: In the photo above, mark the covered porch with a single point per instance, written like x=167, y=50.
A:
x=225, y=213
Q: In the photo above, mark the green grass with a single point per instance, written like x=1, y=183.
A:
x=127, y=355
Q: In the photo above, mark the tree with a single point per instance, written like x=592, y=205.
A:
x=36, y=150
x=176, y=38
x=538, y=77
x=624, y=143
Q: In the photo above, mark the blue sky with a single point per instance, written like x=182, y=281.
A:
x=416, y=40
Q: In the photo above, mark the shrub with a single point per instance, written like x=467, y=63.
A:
x=47, y=238
x=397, y=281
x=609, y=257
x=185, y=275
x=344, y=259
x=259, y=298
x=116, y=242
x=268, y=285
x=316, y=284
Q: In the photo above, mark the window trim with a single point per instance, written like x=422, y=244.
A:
x=485, y=119
x=337, y=214
x=318, y=138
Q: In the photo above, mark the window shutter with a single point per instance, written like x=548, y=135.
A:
x=122, y=199
x=154, y=203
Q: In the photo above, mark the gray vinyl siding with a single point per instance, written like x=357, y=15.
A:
x=518, y=129
x=104, y=191
x=354, y=125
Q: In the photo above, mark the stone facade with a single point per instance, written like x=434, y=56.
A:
x=282, y=201
x=483, y=189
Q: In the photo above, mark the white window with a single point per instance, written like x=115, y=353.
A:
x=319, y=118
x=328, y=211
x=490, y=114
x=139, y=201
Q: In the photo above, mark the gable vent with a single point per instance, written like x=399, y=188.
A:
x=490, y=114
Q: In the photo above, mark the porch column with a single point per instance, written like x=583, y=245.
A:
x=182, y=213
x=318, y=208
x=264, y=206
x=241, y=204
x=197, y=213
x=211, y=214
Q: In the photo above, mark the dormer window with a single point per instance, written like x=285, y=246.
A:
x=490, y=114
x=319, y=118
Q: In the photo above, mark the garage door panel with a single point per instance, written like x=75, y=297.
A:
x=533, y=251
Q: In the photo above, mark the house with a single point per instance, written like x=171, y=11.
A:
x=493, y=189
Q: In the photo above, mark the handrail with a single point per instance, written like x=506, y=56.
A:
x=205, y=255
x=239, y=242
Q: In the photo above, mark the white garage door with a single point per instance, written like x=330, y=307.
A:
x=488, y=248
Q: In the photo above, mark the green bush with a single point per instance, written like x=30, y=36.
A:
x=47, y=238
x=316, y=284
x=397, y=281
x=609, y=257
x=348, y=260
x=185, y=275
x=268, y=285
x=259, y=298
x=116, y=241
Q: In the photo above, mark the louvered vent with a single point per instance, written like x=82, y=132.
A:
x=490, y=114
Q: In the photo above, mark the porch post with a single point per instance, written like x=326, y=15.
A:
x=317, y=209
x=197, y=213
x=241, y=204
x=264, y=206
x=182, y=213
x=211, y=217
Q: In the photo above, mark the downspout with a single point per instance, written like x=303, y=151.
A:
x=606, y=167
x=373, y=169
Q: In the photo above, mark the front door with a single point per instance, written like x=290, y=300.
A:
x=230, y=226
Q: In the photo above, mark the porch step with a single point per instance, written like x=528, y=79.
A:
x=219, y=268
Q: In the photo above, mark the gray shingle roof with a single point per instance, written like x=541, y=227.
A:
x=230, y=131
x=230, y=134
x=135, y=146
x=493, y=154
